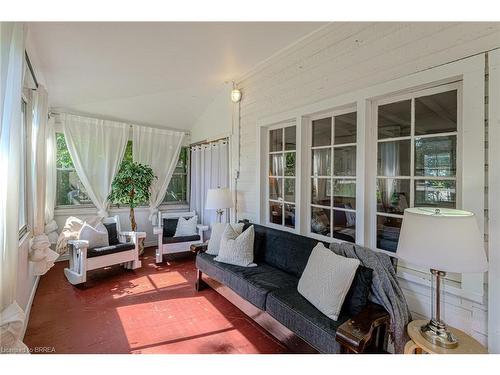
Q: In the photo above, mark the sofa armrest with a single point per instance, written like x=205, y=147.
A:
x=360, y=331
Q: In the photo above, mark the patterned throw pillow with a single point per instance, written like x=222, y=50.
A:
x=237, y=249
x=97, y=237
x=186, y=227
x=216, y=236
x=327, y=279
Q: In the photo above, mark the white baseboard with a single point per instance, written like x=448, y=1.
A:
x=27, y=312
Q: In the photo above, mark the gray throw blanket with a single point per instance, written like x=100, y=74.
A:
x=385, y=288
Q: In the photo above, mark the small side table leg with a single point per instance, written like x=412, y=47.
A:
x=412, y=348
x=200, y=284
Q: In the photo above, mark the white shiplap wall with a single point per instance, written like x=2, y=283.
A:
x=344, y=57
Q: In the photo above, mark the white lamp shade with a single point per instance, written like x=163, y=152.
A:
x=442, y=239
x=219, y=199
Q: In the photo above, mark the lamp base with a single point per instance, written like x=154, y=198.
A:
x=437, y=334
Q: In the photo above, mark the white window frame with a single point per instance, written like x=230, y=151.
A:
x=268, y=153
x=329, y=114
x=471, y=72
x=24, y=172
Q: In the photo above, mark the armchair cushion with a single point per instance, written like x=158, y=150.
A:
x=112, y=233
x=181, y=239
x=169, y=227
x=106, y=250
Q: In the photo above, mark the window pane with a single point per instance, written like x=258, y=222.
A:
x=322, y=132
x=276, y=213
x=276, y=165
x=436, y=156
x=393, y=195
x=344, y=193
x=290, y=189
x=275, y=188
x=63, y=158
x=344, y=161
x=181, y=166
x=70, y=190
x=128, y=152
x=436, y=113
x=345, y=128
x=321, y=191
x=435, y=193
x=290, y=164
x=393, y=158
x=388, y=229
x=322, y=162
x=290, y=215
x=320, y=221
x=394, y=119
x=276, y=140
x=176, y=191
x=290, y=142
x=344, y=225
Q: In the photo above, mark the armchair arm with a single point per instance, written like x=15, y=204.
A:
x=202, y=228
x=157, y=230
x=133, y=235
x=360, y=331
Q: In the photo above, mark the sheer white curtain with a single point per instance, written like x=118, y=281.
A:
x=11, y=78
x=160, y=150
x=41, y=255
x=96, y=148
x=209, y=169
x=50, y=181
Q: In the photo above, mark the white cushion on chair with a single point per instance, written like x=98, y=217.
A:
x=216, y=236
x=97, y=237
x=186, y=227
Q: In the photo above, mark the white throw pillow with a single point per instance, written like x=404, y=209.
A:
x=186, y=227
x=237, y=249
x=97, y=237
x=216, y=236
x=327, y=279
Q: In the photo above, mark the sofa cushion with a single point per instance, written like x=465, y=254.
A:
x=251, y=283
x=180, y=239
x=292, y=310
x=286, y=251
x=106, y=250
x=112, y=233
x=169, y=227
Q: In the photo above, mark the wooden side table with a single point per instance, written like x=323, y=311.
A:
x=199, y=247
x=418, y=344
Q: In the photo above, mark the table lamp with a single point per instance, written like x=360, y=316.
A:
x=444, y=240
x=219, y=199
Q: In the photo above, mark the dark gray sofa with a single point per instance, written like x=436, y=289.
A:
x=272, y=286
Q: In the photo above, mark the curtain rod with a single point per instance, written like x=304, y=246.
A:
x=51, y=113
x=206, y=141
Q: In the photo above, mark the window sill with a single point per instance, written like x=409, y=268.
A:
x=92, y=210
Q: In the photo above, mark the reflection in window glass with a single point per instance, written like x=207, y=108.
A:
x=435, y=193
x=436, y=113
x=320, y=221
x=290, y=164
x=344, y=225
x=344, y=193
x=345, y=128
x=276, y=213
x=393, y=195
x=393, y=158
x=276, y=140
x=322, y=162
x=388, y=229
x=289, y=215
x=275, y=188
x=436, y=156
x=394, y=120
x=276, y=165
x=290, y=142
x=322, y=132
x=321, y=191
x=344, y=161
x=290, y=189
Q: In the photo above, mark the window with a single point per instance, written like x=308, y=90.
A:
x=416, y=158
x=23, y=214
x=281, y=177
x=69, y=188
x=177, y=191
x=333, y=176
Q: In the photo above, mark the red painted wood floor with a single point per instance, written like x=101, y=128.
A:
x=154, y=309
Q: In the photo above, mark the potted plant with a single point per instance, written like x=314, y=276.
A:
x=132, y=187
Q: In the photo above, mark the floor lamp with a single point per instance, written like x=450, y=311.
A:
x=444, y=240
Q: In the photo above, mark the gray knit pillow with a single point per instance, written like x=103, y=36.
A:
x=237, y=249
